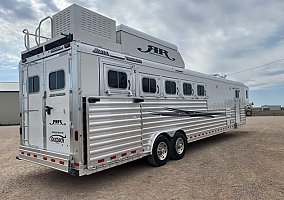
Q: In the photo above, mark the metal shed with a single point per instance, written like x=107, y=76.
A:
x=270, y=107
x=9, y=103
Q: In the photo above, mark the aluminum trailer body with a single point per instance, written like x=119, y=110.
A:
x=91, y=101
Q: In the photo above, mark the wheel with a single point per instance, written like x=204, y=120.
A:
x=248, y=113
x=178, y=146
x=160, y=152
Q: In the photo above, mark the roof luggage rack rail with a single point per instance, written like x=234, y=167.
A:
x=37, y=34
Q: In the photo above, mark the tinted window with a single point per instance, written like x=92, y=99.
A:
x=33, y=84
x=187, y=89
x=117, y=79
x=149, y=85
x=57, y=80
x=170, y=87
x=200, y=90
x=247, y=96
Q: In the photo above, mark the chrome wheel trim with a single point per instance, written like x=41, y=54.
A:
x=179, y=145
x=162, y=150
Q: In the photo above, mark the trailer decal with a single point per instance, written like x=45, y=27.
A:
x=157, y=51
x=57, y=122
x=57, y=138
x=187, y=113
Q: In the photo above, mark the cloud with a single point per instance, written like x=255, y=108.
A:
x=212, y=36
x=17, y=10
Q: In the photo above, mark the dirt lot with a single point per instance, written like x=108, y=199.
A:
x=243, y=164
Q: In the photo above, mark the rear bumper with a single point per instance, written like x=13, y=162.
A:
x=47, y=158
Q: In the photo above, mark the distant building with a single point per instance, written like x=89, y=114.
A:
x=9, y=103
x=270, y=107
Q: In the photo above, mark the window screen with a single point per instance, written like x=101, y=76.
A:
x=170, y=87
x=200, y=90
x=149, y=85
x=33, y=84
x=117, y=79
x=187, y=89
x=57, y=80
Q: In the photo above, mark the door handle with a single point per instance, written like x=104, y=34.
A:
x=48, y=109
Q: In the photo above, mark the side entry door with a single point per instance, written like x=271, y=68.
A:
x=237, y=105
x=57, y=108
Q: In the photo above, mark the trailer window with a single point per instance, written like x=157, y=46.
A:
x=237, y=93
x=187, y=89
x=170, y=87
x=57, y=80
x=33, y=84
x=117, y=79
x=149, y=85
x=200, y=90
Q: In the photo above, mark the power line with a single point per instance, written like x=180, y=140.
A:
x=266, y=64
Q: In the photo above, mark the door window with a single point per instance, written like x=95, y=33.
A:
x=33, y=84
x=237, y=93
x=57, y=80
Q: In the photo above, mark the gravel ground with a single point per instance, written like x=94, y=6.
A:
x=242, y=164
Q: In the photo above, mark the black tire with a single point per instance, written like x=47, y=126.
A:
x=248, y=113
x=155, y=159
x=177, y=154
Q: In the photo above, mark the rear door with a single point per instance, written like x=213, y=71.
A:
x=32, y=104
x=57, y=112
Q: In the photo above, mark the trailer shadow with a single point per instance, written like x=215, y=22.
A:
x=56, y=181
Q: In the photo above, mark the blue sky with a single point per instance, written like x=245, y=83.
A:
x=213, y=36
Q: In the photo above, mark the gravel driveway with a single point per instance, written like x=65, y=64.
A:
x=242, y=164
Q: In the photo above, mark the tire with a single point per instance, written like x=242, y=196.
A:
x=160, y=152
x=178, y=145
x=248, y=113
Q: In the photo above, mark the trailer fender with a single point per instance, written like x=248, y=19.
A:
x=168, y=134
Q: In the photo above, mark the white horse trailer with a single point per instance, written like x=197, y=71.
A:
x=96, y=95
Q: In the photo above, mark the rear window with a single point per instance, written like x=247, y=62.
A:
x=33, y=84
x=57, y=80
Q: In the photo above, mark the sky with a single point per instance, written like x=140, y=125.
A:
x=220, y=36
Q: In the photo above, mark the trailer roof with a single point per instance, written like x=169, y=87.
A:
x=9, y=87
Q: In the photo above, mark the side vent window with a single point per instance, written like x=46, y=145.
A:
x=33, y=84
x=117, y=79
x=149, y=85
x=170, y=87
x=187, y=89
x=57, y=80
x=200, y=90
